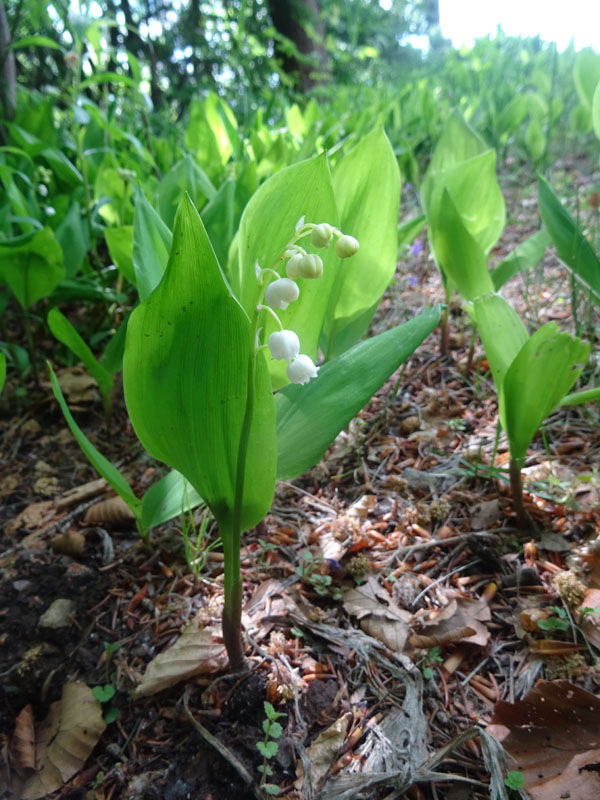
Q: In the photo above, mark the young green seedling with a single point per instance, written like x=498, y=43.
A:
x=533, y=375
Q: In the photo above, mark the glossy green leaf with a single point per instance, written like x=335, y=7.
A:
x=526, y=255
x=460, y=256
x=62, y=330
x=112, y=357
x=535, y=140
x=33, y=269
x=366, y=184
x=512, y=115
x=120, y=246
x=586, y=74
x=502, y=332
x=464, y=165
x=34, y=41
x=584, y=396
x=596, y=111
x=168, y=498
x=537, y=380
x=267, y=225
x=73, y=237
x=310, y=417
x=183, y=178
x=152, y=242
x=2, y=370
x=101, y=464
x=572, y=246
x=185, y=375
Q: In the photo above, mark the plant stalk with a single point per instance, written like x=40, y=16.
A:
x=232, y=608
x=516, y=488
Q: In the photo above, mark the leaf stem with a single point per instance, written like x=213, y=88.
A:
x=232, y=609
x=516, y=488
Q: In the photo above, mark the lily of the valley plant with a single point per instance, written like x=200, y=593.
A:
x=208, y=346
x=193, y=334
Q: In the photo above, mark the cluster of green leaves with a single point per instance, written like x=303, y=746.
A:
x=465, y=210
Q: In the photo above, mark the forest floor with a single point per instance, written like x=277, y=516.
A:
x=392, y=608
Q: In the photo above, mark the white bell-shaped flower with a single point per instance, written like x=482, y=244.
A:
x=302, y=369
x=346, y=246
x=284, y=344
x=281, y=293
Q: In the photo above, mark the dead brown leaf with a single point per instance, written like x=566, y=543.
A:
x=57, y=748
x=379, y=616
x=323, y=751
x=198, y=651
x=460, y=621
x=554, y=736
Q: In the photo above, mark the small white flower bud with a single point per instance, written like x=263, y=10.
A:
x=281, y=293
x=321, y=235
x=311, y=266
x=346, y=246
x=302, y=369
x=304, y=265
x=284, y=344
x=292, y=269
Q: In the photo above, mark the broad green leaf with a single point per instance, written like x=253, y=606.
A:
x=183, y=178
x=536, y=381
x=457, y=144
x=72, y=235
x=572, y=246
x=185, y=375
x=120, y=246
x=267, y=225
x=502, y=332
x=33, y=269
x=101, y=464
x=62, y=330
x=169, y=497
x=112, y=357
x=310, y=417
x=460, y=256
x=526, y=255
x=34, y=41
x=366, y=184
x=2, y=370
x=596, y=111
x=586, y=73
x=535, y=140
x=152, y=242
x=109, y=77
x=584, y=396
x=512, y=115
x=464, y=165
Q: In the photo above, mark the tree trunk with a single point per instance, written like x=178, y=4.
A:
x=8, y=71
x=295, y=19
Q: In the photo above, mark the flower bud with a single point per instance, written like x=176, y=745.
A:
x=321, y=235
x=346, y=246
x=281, y=293
x=311, y=266
x=302, y=369
x=292, y=269
x=284, y=344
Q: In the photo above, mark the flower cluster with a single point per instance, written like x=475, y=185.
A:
x=280, y=292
